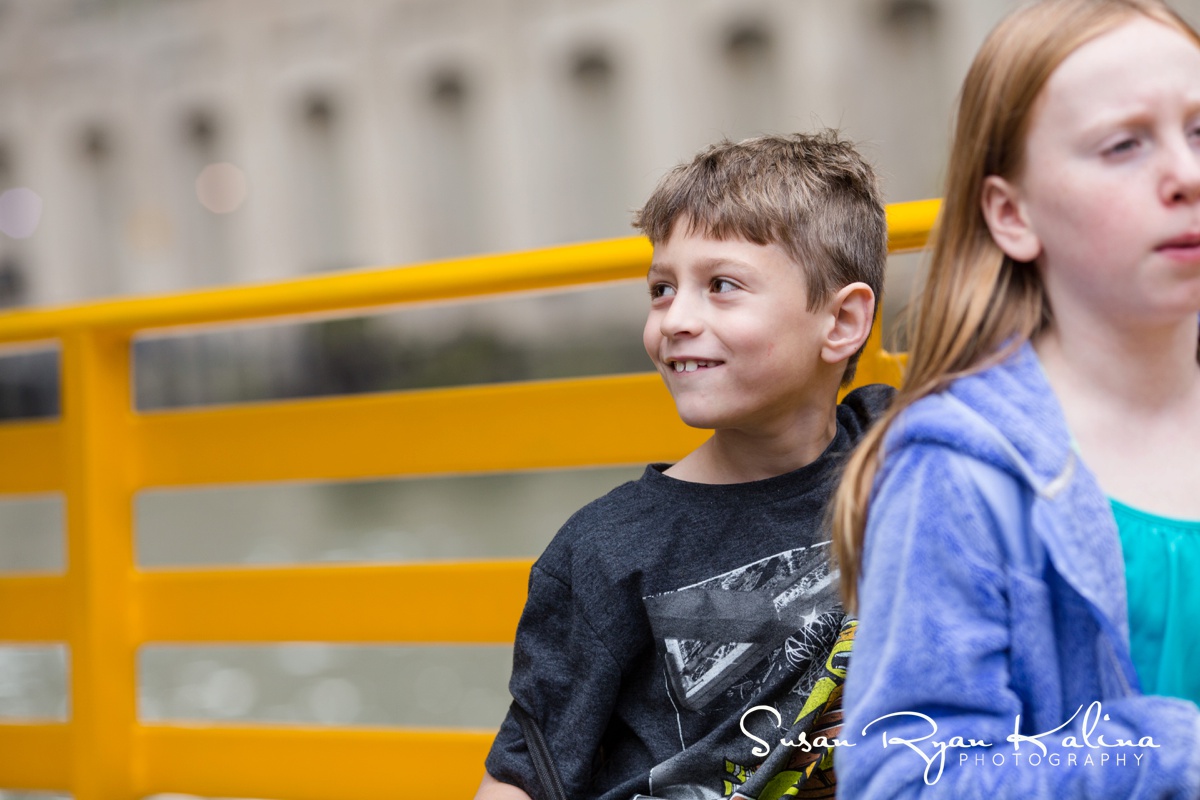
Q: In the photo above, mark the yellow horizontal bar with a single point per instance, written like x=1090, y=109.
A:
x=477, y=602
x=35, y=756
x=555, y=267
x=311, y=764
x=33, y=610
x=33, y=460
x=909, y=224
x=611, y=420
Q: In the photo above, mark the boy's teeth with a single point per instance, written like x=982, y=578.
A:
x=690, y=365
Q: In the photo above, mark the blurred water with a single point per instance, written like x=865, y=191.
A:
x=33, y=682
x=473, y=517
x=435, y=687
x=508, y=515
x=492, y=516
x=33, y=679
x=32, y=534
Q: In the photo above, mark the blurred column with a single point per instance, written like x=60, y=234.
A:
x=14, y=276
x=752, y=81
x=449, y=165
x=587, y=193
x=319, y=175
x=213, y=189
x=99, y=253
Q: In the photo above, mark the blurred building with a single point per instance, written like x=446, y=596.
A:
x=167, y=144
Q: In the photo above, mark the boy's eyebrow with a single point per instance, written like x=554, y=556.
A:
x=717, y=263
x=728, y=264
x=725, y=264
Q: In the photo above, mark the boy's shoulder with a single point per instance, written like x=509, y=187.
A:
x=606, y=522
x=650, y=503
x=618, y=506
x=862, y=407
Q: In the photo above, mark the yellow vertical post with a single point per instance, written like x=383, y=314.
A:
x=97, y=416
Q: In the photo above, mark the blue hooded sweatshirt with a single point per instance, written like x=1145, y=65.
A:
x=992, y=607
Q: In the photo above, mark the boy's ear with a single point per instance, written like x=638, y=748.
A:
x=1007, y=221
x=850, y=312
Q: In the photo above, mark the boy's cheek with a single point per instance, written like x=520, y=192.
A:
x=651, y=338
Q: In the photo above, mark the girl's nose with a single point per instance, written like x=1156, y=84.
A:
x=1181, y=179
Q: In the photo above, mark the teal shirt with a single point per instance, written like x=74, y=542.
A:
x=1162, y=577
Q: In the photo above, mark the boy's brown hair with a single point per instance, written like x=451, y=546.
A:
x=813, y=195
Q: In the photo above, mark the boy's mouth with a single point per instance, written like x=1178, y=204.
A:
x=691, y=365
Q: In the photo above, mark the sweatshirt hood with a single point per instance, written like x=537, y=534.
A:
x=1006, y=416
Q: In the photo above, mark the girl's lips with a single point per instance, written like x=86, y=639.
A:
x=1186, y=251
x=1188, y=241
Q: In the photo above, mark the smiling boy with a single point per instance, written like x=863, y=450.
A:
x=666, y=610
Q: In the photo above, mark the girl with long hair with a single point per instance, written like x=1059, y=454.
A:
x=1042, y=453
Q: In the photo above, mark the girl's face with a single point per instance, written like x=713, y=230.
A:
x=1108, y=200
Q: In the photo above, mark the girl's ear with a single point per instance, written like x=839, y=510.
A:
x=1006, y=219
x=849, y=322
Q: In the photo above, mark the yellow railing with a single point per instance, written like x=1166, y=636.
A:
x=101, y=452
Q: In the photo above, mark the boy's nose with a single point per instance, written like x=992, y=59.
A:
x=682, y=317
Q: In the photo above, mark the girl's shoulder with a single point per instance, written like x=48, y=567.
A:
x=1005, y=415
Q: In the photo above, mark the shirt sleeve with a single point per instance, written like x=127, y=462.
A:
x=933, y=648
x=566, y=680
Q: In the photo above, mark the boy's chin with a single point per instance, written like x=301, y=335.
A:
x=704, y=419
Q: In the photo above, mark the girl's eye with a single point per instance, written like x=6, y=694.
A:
x=1122, y=146
x=661, y=290
x=721, y=285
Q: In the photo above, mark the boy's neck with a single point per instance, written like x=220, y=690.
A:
x=741, y=456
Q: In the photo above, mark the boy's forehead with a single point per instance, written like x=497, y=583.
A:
x=699, y=241
x=686, y=225
x=718, y=232
x=694, y=248
x=703, y=237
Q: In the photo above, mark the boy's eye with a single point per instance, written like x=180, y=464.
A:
x=720, y=285
x=661, y=290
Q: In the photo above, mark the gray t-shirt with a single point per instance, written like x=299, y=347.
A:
x=662, y=612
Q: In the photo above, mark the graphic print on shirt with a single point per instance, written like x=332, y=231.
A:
x=716, y=632
x=794, y=773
